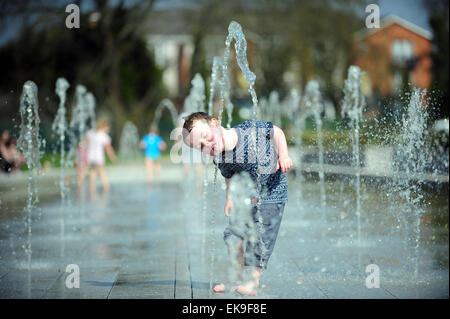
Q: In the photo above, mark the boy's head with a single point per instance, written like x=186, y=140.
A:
x=5, y=136
x=202, y=132
x=153, y=129
x=103, y=125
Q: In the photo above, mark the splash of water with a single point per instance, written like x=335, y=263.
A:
x=90, y=109
x=312, y=105
x=216, y=80
x=234, y=33
x=59, y=126
x=264, y=110
x=129, y=141
x=274, y=107
x=241, y=221
x=412, y=160
x=352, y=107
x=29, y=144
x=216, y=68
x=80, y=113
x=293, y=112
x=78, y=126
x=195, y=101
x=292, y=104
x=165, y=104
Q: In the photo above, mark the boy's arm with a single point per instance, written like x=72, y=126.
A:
x=162, y=145
x=111, y=154
x=284, y=160
x=229, y=202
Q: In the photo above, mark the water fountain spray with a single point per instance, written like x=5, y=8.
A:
x=292, y=112
x=59, y=126
x=235, y=33
x=80, y=113
x=78, y=121
x=412, y=161
x=195, y=101
x=90, y=109
x=312, y=105
x=241, y=220
x=224, y=82
x=129, y=141
x=29, y=144
x=352, y=106
x=215, y=77
x=165, y=104
x=274, y=107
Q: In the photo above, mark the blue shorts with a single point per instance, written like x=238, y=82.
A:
x=153, y=156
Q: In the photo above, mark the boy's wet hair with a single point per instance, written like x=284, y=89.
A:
x=190, y=120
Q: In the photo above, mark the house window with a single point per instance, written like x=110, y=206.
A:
x=402, y=51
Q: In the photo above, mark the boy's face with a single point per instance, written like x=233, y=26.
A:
x=206, y=137
x=105, y=128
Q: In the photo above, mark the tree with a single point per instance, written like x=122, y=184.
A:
x=287, y=32
x=109, y=57
x=439, y=22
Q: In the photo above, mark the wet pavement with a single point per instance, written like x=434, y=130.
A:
x=144, y=241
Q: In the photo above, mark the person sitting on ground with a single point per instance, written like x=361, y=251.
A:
x=152, y=144
x=237, y=150
x=97, y=142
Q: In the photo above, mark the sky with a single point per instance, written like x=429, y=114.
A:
x=411, y=10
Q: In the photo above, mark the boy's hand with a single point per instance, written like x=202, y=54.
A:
x=228, y=206
x=285, y=163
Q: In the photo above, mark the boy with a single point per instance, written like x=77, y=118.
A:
x=97, y=142
x=235, y=151
x=152, y=144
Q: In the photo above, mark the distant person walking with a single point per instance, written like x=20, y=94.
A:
x=152, y=144
x=97, y=142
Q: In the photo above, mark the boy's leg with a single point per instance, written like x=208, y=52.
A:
x=233, y=239
x=93, y=180
x=79, y=174
x=236, y=254
x=157, y=168
x=83, y=173
x=251, y=287
x=258, y=255
x=103, y=178
x=148, y=170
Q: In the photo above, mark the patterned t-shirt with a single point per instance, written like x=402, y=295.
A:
x=243, y=158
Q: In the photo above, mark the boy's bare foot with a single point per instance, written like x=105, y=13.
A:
x=250, y=288
x=220, y=288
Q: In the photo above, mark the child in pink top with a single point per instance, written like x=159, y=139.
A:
x=97, y=142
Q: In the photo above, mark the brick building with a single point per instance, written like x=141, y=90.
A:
x=396, y=52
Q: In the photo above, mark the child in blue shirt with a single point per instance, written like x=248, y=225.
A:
x=152, y=144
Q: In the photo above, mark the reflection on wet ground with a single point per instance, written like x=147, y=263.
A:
x=147, y=242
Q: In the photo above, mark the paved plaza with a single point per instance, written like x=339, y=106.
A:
x=144, y=241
